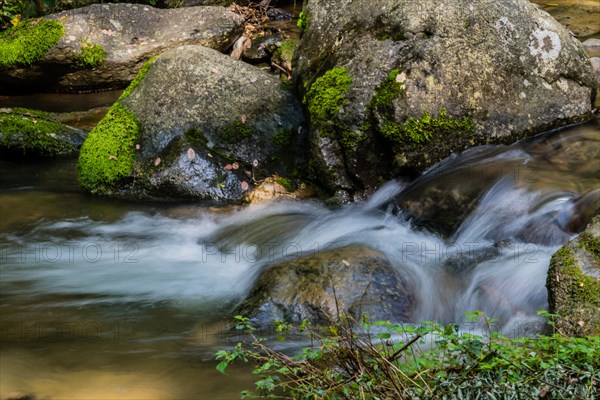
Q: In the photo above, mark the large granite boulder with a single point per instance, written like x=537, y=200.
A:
x=574, y=284
x=393, y=86
x=350, y=280
x=104, y=45
x=200, y=126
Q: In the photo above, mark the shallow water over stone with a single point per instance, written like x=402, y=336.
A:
x=132, y=299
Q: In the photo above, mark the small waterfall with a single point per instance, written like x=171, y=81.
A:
x=487, y=248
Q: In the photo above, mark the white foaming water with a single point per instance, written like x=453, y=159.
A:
x=156, y=258
x=495, y=261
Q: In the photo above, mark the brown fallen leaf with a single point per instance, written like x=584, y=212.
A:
x=346, y=263
x=191, y=154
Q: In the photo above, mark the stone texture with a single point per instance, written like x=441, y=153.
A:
x=240, y=125
x=507, y=65
x=574, y=284
x=352, y=280
x=130, y=34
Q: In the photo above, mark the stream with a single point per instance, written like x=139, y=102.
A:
x=134, y=299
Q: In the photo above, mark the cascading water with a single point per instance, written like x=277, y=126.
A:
x=173, y=271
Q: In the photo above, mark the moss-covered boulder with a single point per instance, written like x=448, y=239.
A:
x=574, y=284
x=318, y=287
x=32, y=132
x=104, y=45
x=393, y=86
x=194, y=124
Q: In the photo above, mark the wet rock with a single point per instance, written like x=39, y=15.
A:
x=209, y=128
x=574, y=284
x=278, y=14
x=128, y=34
x=262, y=49
x=354, y=280
x=396, y=86
x=30, y=132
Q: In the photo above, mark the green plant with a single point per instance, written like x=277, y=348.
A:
x=302, y=22
x=28, y=42
x=382, y=360
x=91, y=55
x=12, y=11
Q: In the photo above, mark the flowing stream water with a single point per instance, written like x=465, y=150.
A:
x=114, y=300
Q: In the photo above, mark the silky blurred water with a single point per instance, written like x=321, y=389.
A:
x=103, y=299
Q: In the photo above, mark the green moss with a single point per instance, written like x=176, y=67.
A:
x=327, y=94
x=28, y=42
x=283, y=137
x=324, y=99
x=576, y=296
x=236, y=132
x=388, y=91
x=91, y=55
x=303, y=20
x=287, y=49
x=422, y=130
x=196, y=137
x=590, y=243
x=138, y=78
x=109, y=152
x=31, y=132
x=286, y=183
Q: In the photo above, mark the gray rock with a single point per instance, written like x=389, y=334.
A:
x=130, y=34
x=506, y=66
x=227, y=112
x=574, y=284
x=351, y=280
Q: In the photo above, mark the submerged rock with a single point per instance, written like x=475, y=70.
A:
x=202, y=126
x=574, y=284
x=352, y=280
x=32, y=132
x=105, y=45
x=394, y=86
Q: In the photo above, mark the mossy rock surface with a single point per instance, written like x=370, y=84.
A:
x=195, y=124
x=574, y=284
x=32, y=132
x=432, y=78
x=354, y=280
x=28, y=42
x=105, y=45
